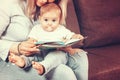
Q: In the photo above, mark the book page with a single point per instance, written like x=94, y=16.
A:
x=71, y=41
x=58, y=43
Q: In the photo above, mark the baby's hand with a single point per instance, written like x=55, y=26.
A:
x=77, y=36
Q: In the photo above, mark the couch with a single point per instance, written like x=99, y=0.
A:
x=99, y=20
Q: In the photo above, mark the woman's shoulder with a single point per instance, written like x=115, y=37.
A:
x=6, y=5
x=5, y=8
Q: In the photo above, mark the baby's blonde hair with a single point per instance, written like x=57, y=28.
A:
x=50, y=7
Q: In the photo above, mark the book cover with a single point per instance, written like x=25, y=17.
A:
x=57, y=43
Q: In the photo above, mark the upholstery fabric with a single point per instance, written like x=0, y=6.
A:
x=104, y=63
x=99, y=20
x=71, y=20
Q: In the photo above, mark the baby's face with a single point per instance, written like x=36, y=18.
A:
x=50, y=21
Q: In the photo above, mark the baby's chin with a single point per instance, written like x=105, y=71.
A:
x=49, y=30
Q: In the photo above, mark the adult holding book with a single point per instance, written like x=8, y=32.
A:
x=14, y=29
x=49, y=29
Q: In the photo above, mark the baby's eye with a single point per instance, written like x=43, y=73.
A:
x=45, y=19
x=53, y=20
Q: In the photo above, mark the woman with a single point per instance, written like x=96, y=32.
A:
x=33, y=7
x=14, y=29
x=78, y=62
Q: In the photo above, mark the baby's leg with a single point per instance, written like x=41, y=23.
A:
x=17, y=60
x=51, y=60
x=39, y=67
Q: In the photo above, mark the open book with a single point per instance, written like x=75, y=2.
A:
x=57, y=43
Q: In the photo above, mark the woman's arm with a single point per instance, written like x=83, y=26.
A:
x=4, y=22
x=28, y=47
x=63, y=5
x=4, y=17
x=13, y=31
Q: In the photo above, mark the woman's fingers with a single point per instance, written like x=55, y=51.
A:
x=28, y=48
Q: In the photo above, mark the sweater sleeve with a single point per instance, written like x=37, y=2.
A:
x=4, y=17
x=4, y=22
x=4, y=48
x=14, y=26
x=67, y=33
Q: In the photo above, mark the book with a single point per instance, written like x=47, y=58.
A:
x=57, y=43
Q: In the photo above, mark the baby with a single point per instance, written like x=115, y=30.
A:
x=48, y=29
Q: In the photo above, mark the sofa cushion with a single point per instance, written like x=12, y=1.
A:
x=71, y=21
x=104, y=62
x=100, y=21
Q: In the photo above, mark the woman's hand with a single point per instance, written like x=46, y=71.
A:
x=26, y=48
